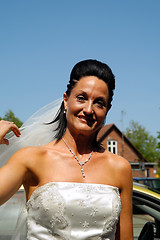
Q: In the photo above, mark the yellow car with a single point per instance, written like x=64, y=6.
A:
x=153, y=183
x=146, y=213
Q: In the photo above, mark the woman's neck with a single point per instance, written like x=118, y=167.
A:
x=80, y=144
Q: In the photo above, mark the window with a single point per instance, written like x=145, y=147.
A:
x=112, y=146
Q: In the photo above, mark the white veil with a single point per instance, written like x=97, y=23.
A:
x=34, y=132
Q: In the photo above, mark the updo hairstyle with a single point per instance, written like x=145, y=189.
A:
x=82, y=69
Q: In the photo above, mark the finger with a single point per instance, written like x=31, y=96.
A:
x=12, y=126
x=5, y=141
x=15, y=129
x=5, y=126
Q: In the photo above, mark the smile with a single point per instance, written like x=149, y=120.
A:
x=86, y=120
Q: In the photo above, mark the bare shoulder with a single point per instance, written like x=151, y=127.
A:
x=26, y=154
x=32, y=150
x=30, y=155
x=117, y=161
x=121, y=168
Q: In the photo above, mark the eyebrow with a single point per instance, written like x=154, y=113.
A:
x=98, y=98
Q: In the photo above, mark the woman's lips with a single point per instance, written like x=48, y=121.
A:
x=86, y=119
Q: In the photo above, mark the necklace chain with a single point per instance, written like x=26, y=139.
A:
x=81, y=164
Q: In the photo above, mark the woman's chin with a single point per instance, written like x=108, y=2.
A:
x=86, y=129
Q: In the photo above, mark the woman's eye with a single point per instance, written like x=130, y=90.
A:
x=100, y=104
x=80, y=98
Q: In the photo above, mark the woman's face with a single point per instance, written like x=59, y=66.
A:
x=86, y=107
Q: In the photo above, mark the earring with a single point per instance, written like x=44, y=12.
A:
x=64, y=111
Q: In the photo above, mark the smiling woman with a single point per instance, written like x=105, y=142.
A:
x=75, y=189
x=86, y=107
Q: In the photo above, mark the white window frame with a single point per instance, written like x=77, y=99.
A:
x=112, y=146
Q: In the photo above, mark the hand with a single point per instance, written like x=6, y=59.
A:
x=5, y=126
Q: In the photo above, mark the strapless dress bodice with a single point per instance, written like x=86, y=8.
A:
x=73, y=211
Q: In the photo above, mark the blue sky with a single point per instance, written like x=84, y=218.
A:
x=40, y=41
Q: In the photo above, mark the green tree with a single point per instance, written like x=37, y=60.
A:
x=9, y=116
x=144, y=141
x=158, y=139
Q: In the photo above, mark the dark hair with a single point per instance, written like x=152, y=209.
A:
x=81, y=69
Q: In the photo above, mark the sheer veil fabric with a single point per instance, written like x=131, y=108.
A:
x=34, y=132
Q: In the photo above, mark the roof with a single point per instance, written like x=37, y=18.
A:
x=106, y=129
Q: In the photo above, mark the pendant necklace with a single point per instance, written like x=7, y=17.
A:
x=81, y=164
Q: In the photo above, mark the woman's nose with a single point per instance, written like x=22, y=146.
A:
x=88, y=109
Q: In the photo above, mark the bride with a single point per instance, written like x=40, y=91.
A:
x=75, y=189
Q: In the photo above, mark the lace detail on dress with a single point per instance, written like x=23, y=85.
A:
x=73, y=211
x=57, y=216
x=111, y=222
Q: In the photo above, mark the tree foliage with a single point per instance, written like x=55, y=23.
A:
x=144, y=141
x=9, y=116
x=158, y=139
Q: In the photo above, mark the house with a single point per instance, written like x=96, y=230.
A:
x=115, y=141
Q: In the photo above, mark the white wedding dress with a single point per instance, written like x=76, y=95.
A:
x=62, y=210
x=73, y=211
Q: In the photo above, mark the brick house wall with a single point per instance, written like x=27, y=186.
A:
x=140, y=166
